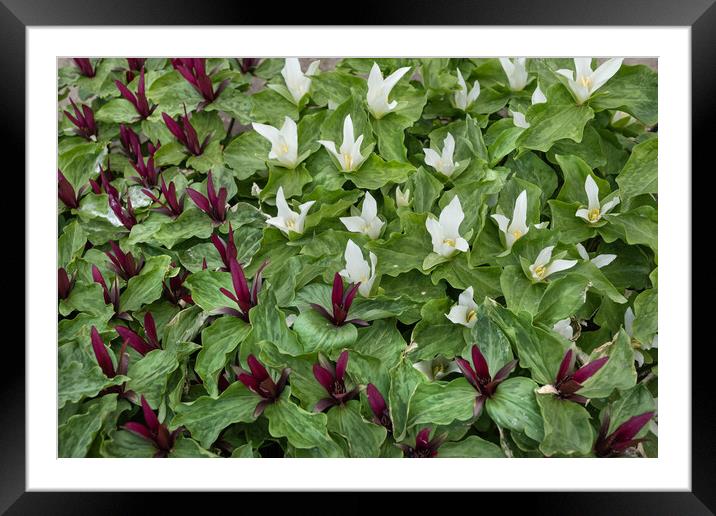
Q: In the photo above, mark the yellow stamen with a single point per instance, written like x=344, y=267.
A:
x=471, y=316
x=517, y=234
x=586, y=81
x=290, y=223
x=437, y=369
x=540, y=271
x=348, y=160
x=449, y=241
x=593, y=215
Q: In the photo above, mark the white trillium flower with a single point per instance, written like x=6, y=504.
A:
x=600, y=261
x=517, y=227
x=349, y=156
x=443, y=163
x=516, y=72
x=564, y=328
x=379, y=89
x=544, y=266
x=288, y=220
x=465, y=311
x=637, y=346
x=462, y=98
x=255, y=190
x=538, y=97
x=587, y=81
x=519, y=119
x=284, y=142
x=402, y=199
x=595, y=210
x=437, y=368
x=444, y=231
x=368, y=222
x=357, y=269
x=296, y=81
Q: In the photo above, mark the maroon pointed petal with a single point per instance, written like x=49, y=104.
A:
x=324, y=377
x=576, y=398
x=220, y=246
x=258, y=278
x=325, y=313
x=467, y=371
x=479, y=404
x=238, y=278
x=220, y=206
x=227, y=310
x=504, y=372
x=210, y=191
x=101, y=354
x=228, y=294
x=151, y=329
x=201, y=202
x=97, y=276
x=149, y=416
x=350, y=295
x=64, y=285
x=337, y=293
x=628, y=430
x=375, y=400
x=257, y=369
x=260, y=407
x=281, y=384
x=436, y=442
x=324, y=404
x=422, y=440
x=139, y=429
x=127, y=94
x=173, y=127
x=359, y=322
x=588, y=370
x=341, y=364
x=135, y=341
x=480, y=364
x=566, y=366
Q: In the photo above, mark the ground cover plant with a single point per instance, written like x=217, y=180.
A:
x=380, y=258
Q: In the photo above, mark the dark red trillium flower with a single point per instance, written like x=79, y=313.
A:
x=83, y=121
x=129, y=140
x=173, y=207
x=111, y=294
x=85, y=66
x=138, y=100
x=213, y=205
x=480, y=378
x=124, y=264
x=244, y=296
x=226, y=249
x=125, y=216
x=139, y=344
x=156, y=433
x=64, y=283
x=622, y=438
x=103, y=358
x=66, y=193
x=148, y=172
x=332, y=378
x=134, y=64
x=569, y=381
x=381, y=413
x=174, y=290
x=185, y=133
x=248, y=64
x=424, y=446
x=194, y=71
x=105, y=176
x=342, y=302
x=260, y=382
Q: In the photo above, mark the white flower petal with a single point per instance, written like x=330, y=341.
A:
x=603, y=260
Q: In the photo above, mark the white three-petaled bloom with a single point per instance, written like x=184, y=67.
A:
x=462, y=98
x=637, y=346
x=445, y=230
x=368, y=222
x=516, y=72
x=564, y=328
x=437, y=368
x=443, y=163
x=544, y=266
x=379, y=89
x=517, y=227
x=357, y=269
x=349, y=156
x=587, y=81
x=465, y=311
x=595, y=210
x=538, y=97
x=297, y=82
x=402, y=199
x=284, y=142
x=286, y=219
x=600, y=261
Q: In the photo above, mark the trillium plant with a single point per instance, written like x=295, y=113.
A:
x=360, y=258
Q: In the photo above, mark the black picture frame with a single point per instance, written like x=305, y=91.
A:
x=699, y=15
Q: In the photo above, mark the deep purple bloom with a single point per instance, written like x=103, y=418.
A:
x=569, y=381
x=622, y=438
x=381, y=413
x=124, y=264
x=341, y=303
x=83, y=121
x=156, y=433
x=147, y=171
x=226, y=249
x=85, y=66
x=103, y=183
x=64, y=283
x=260, y=382
x=185, y=133
x=111, y=294
x=129, y=140
x=480, y=378
x=135, y=341
x=135, y=64
x=174, y=290
x=103, y=358
x=248, y=64
x=213, y=205
x=244, y=296
x=332, y=378
x=66, y=193
x=173, y=207
x=424, y=446
x=138, y=100
x=125, y=216
x=194, y=71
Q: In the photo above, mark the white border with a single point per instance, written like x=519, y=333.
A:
x=670, y=471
